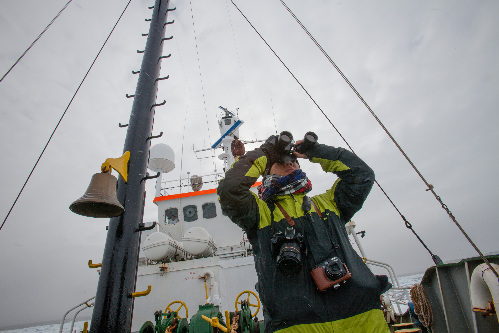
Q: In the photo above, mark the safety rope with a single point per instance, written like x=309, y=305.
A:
x=422, y=305
x=63, y=114
x=430, y=187
x=408, y=225
x=37, y=38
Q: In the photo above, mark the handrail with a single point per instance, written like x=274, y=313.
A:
x=391, y=271
x=64, y=317
x=74, y=318
x=393, y=277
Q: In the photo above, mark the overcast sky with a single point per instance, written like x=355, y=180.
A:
x=428, y=69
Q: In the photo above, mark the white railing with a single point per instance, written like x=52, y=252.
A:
x=77, y=312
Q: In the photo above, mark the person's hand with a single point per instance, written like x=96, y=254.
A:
x=297, y=154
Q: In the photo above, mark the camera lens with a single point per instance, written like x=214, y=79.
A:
x=289, y=259
x=333, y=271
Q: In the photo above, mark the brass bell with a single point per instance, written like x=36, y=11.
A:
x=100, y=198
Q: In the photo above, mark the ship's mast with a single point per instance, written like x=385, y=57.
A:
x=114, y=303
x=229, y=129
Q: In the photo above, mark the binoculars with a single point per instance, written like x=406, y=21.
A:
x=285, y=145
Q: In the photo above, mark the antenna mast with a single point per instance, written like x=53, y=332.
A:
x=229, y=129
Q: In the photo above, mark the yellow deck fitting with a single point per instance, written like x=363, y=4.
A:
x=91, y=265
x=215, y=323
x=142, y=293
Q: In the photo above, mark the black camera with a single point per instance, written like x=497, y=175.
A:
x=329, y=273
x=287, y=248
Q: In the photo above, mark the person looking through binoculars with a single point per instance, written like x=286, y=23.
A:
x=310, y=279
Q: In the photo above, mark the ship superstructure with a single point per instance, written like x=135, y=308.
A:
x=195, y=255
x=195, y=260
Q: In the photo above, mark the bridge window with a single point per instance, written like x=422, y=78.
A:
x=190, y=213
x=209, y=210
x=171, y=216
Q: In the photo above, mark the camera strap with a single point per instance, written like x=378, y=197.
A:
x=326, y=225
x=317, y=209
x=286, y=215
x=289, y=219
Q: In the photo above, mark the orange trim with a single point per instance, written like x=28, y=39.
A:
x=190, y=194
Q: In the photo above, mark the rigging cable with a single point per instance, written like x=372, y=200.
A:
x=63, y=114
x=429, y=186
x=201, y=77
x=185, y=115
x=240, y=67
x=37, y=38
x=435, y=258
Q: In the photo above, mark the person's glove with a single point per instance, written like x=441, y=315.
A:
x=237, y=148
x=270, y=150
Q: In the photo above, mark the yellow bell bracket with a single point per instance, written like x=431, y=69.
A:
x=119, y=164
x=142, y=293
x=93, y=265
x=215, y=323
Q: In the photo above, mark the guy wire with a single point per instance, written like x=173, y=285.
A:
x=408, y=225
x=240, y=67
x=63, y=114
x=37, y=38
x=187, y=111
x=430, y=187
x=201, y=76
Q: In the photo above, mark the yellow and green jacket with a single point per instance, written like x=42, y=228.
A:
x=294, y=304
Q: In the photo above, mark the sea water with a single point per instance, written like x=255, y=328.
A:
x=54, y=328
x=405, y=281
x=403, y=295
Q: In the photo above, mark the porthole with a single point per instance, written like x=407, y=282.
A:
x=171, y=216
x=190, y=213
x=209, y=210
